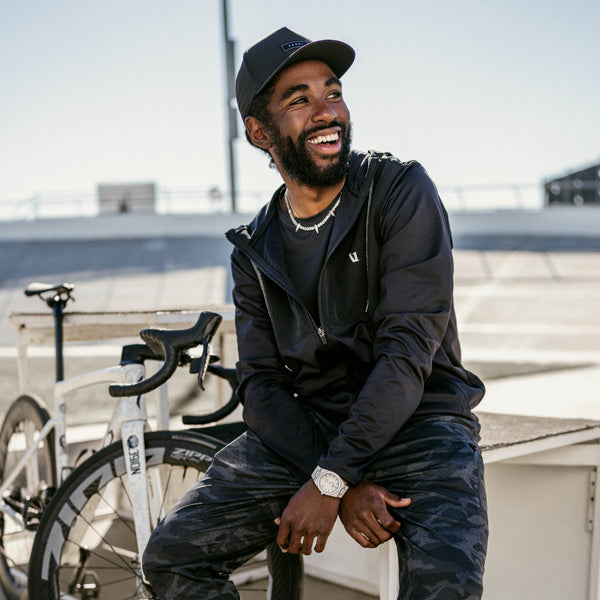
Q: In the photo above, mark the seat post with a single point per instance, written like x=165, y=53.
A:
x=58, y=304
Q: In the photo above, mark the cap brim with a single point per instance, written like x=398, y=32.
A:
x=338, y=55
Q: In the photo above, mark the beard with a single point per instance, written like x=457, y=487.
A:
x=300, y=166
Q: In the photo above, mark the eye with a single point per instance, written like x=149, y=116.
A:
x=299, y=100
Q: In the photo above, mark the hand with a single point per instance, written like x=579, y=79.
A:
x=308, y=516
x=365, y=516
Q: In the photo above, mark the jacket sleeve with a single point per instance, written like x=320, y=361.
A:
x=271, y=409
x=411, y=316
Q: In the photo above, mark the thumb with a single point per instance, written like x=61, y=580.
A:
x=396, y=501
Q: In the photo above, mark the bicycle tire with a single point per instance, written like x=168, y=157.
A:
x=26, y=416
x=85, y=546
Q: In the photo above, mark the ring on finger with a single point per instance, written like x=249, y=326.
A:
x=365, y=536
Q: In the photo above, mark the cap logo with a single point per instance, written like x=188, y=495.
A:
x=293, y=45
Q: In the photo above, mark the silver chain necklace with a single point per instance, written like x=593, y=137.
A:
x=315, y=228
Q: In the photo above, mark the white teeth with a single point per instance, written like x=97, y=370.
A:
x=332, y=137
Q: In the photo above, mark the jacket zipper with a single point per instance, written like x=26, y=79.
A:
x=368, y=222
x=256, y=261
x=369, y=177
x=259, y=272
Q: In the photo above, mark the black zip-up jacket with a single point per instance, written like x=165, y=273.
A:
x=385, y=348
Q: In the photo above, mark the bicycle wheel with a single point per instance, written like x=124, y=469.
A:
x=29, y=492
x=86, y=546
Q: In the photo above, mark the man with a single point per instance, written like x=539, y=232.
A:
x=349, y=362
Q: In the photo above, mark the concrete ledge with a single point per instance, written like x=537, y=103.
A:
x=121, y=226
x=563, y=222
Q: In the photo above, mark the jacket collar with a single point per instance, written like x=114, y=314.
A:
x=354, y=195
x=260, y=239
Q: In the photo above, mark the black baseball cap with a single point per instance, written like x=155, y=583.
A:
x=279, y=50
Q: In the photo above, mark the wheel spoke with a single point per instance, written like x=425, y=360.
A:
x=25, y=489
x=94, y=511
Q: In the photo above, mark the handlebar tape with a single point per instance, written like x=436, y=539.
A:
x=170, y=344
x=230, y=376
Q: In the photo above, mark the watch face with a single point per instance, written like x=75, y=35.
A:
x=329, y=483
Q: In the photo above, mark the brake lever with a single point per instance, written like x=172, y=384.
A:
x=200, y=364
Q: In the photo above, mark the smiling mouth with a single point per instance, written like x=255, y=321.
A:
x=332, y=138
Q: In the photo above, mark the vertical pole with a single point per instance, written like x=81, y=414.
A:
x=230, y=113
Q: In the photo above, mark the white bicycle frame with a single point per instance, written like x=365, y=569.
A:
x=128, y=423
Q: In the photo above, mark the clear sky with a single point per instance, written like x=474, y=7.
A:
x=480, y=92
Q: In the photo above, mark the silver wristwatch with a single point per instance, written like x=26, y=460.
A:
x=329, y=483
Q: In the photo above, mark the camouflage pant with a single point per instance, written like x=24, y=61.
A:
x=227, y=518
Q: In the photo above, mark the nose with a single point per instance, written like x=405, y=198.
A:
x=324, y=111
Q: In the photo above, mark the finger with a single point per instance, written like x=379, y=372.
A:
x=366, y=538
x=376, y=531
x=283, y=535
x=295, y=543
x=385, y=525
x=278, y=522
x=306, y=546
x=321, y=541
x=385, y=518
x=382, y=523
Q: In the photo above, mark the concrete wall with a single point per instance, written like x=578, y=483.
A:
x=550, y=222
x=563, y=221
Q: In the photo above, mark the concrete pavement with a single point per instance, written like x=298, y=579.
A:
x=520, y=311
x=527, y=310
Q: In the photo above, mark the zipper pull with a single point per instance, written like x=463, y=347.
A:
x=321, y=333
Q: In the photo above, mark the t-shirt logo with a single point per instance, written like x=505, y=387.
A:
x=293, y=45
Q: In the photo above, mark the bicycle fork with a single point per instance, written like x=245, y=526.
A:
x=135, y=461
x=144, y=488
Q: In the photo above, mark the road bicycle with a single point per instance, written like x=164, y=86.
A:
x=127, y=486
x=34, y=455
x=93, y=532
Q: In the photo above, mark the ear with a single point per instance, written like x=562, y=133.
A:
x=257, y=133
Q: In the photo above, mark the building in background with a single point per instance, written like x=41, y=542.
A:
x=574, y=189
x=126, y=198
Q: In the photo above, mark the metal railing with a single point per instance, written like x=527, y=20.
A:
x=69, y=204
x=72, y=204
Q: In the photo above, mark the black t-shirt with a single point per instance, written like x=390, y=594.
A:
x=305, y=253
